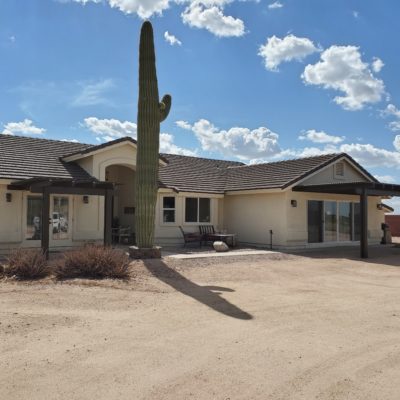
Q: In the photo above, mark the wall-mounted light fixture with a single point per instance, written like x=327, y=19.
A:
x=8, y=197
x=293, y=203
x=379, y=206
x=86, y=199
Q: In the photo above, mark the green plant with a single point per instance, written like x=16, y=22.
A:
x=94, y=262
x=150, y=113
x=26, y=264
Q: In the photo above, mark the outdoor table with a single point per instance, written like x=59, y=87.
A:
x=226, y=237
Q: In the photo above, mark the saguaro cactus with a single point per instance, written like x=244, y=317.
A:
x=150, y=113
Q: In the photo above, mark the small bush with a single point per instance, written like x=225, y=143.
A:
x=26, y=264
x=94, y=262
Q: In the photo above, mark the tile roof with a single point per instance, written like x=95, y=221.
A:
x=24, y=157
x=195, y=174
x=278, y=174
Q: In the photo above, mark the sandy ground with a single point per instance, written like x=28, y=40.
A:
x=305, y=326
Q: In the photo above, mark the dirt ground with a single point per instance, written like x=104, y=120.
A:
x=316, y=325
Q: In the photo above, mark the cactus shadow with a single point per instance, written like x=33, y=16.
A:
x=207, y=295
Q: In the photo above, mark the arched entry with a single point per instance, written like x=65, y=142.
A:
x=123, y=208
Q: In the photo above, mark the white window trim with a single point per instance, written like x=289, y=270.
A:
x=198, y=211
x=162, y=211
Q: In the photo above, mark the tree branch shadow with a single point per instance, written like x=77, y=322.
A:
x=207, y=295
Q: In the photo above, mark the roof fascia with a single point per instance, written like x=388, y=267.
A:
x=254, y=191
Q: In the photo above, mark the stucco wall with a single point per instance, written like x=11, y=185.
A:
x=169, y=233
x=10, y=216
x=252, y=216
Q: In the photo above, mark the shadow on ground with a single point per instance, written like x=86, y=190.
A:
x=377, y=254
x=207, y=295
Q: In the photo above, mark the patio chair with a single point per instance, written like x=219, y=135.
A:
x=191, y=237
x=207, y=232
x=122, y=235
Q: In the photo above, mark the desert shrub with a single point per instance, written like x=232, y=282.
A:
x=26, y=264
x=94, y=262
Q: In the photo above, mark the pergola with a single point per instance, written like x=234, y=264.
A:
x=48, y=186
x=362, y=189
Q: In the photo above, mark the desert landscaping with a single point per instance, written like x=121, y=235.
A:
x=311, y=325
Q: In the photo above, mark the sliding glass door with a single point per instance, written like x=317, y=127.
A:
x=345, y=221
x=333, y=221
x=330, y=215
x=315, y=221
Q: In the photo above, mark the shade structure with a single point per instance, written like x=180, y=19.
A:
x=362, y=189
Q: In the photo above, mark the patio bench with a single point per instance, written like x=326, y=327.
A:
x=207, y=232
x=191, y=237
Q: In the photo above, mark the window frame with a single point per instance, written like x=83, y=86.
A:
x=197, y=222
x=167, y=209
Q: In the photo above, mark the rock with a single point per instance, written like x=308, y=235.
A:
x=136, y=253
x=220, y=246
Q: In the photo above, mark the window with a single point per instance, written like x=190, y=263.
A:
x=197, y=209
x=168, y=211
x=60, y=218
x=339, y=170
x=33, y=218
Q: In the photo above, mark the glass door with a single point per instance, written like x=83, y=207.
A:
x=330, y=214
x=60, y=218
x=315, y=221
x=344, y=221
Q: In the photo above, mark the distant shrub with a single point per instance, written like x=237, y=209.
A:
x=94, y=262
x=26, y=264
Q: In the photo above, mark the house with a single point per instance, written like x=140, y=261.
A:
x=80, y=189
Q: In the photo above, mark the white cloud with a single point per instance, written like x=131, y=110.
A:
x=276, y=50
x=342, y=69
x=183, y=125
x=167, y=146
x=93, y=94
x=242, y=143
x=143, y=8
x=385, y=178
x=371, y=156
x=24, y=127
x=320, y=137
x=209, y=15
x=377, y=64
x=111, y=129
x=275, y=5
x=171, y=39
x=392, y=111
x=70, y=140
x=396, y=142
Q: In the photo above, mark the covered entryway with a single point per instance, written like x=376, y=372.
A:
x=363, y=190
x=56, y=215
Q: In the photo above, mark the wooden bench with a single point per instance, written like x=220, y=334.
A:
x=191, y=237
x=207, y=232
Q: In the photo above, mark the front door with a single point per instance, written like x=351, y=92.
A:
x=60, y=220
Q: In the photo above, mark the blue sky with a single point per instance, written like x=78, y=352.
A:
x=250, y=80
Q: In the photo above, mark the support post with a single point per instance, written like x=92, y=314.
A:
x=364, y=224
x=108, y=217
x=45, y=222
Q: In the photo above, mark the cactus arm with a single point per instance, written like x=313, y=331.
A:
x=165, y=106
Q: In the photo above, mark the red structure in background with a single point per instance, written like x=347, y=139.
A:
x=394, y=224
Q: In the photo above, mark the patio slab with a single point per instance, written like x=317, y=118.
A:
x=213, y=253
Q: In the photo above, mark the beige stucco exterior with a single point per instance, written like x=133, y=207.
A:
x=249, y=214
